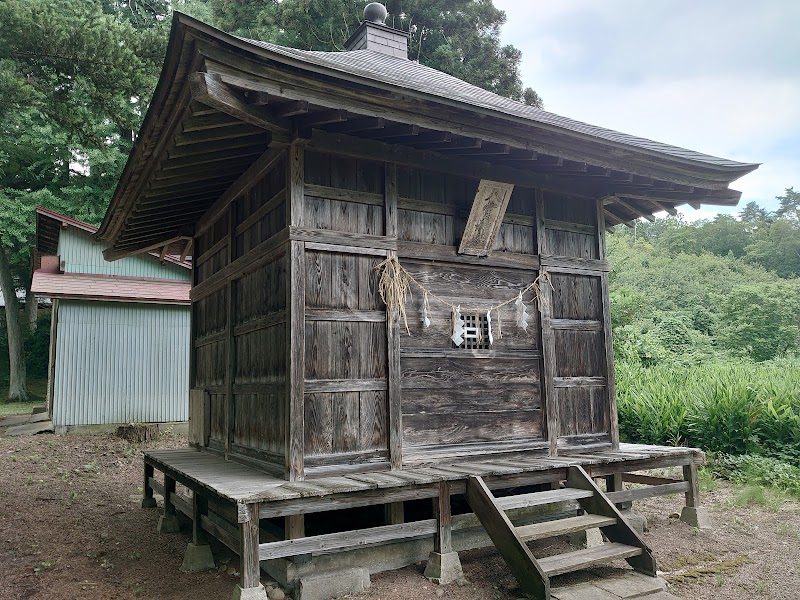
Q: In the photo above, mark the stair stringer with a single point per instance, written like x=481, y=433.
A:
x=515, y=552
x=620, y=532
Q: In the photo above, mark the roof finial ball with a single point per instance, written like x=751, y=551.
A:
x=375, y=12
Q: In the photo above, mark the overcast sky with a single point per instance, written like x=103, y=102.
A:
x=717, y=76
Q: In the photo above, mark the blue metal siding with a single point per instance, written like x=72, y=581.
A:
x=80, y=253
x=121, y=363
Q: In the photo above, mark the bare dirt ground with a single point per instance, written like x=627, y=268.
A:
x=71, y=527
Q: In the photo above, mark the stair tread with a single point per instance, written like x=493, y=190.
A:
x=538, y=531
x=542, y=498
x=580, y=559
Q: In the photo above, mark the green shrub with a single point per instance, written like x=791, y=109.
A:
x=758, y=470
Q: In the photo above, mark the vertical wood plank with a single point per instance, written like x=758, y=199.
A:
x=611, y=388
x=443, y=540
x=295, y=358
x=199, y=508
x=550, y=400
x=395, y=431
x=169, y=492
x=394, y=513
x=693, y=491
x=147, y=491
x=249, y=563
x=295, y=186
x=230, y=349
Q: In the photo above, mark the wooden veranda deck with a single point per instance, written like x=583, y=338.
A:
x=243, y=485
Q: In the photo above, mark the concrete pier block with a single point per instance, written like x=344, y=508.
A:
x=332, y=584
x=696, y=517
x=169, y=524
x=443, y=568
x=590, y=538
x=251, y=593
x=636, y=520
x=197, y=558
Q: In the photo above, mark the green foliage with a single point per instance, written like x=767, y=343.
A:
x=761, y=320
x=732, y=408
x=37, y=349
x=758, y=470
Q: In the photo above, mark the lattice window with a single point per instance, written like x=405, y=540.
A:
x=476, y=332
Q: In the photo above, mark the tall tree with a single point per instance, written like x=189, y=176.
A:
x=75, y=80
x=459, y=37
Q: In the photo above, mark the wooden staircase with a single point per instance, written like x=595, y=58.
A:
x=534, y=574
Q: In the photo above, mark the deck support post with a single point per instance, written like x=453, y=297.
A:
x=168, y=522
x=147, y=492
x=294, y=527
x=394, y=513
x=198, y=556
x=443, y=566
x=250, y=587
x=692, y=513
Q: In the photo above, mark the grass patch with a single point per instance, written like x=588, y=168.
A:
x=18, y=408
x=719, y=568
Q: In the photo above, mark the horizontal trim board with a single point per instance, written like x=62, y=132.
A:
x=647, y=492
x=441, y=253
x=523, y=354
x=345, y=249
x=553, y=262
x=219, y=336
x=365, y=457
x=325, y=236
x=268, y=320
x=315, y=386
x=347, y=540
x=571, y=227
x=576, y=325
x=344, y=195
x=574, y=382
x=332, y=314
x=260, y=212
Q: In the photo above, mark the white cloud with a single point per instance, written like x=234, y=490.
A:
x=718, y=76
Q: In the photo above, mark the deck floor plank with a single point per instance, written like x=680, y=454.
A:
x=241, y=483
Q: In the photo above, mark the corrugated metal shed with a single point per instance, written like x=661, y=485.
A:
x=120, y=363
x=80, y=253
x=120, y=351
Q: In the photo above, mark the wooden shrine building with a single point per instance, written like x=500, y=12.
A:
x=313, y=189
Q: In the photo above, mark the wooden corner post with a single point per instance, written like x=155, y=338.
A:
x=296, y=310
x=611, y=389
x=393, y=331
x=548, y=337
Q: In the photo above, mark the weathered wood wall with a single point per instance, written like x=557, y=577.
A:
x=305, y=374
x=239, y=323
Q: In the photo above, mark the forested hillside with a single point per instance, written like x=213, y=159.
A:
x=690, y=292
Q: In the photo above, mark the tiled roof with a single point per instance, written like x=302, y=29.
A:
x=116, y=289
x=408, y=74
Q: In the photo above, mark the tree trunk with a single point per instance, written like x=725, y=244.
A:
x=17, y=385
x=31, y=312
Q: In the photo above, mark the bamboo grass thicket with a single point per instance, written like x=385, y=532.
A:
x=732, y=408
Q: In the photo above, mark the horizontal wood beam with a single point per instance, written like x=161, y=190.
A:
x=223, y=134
x=292, y=109
x=323, y=117
x=245, y=181
x=357, y=125
x=209, y=89
x=338, y=542
x=112, y=254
